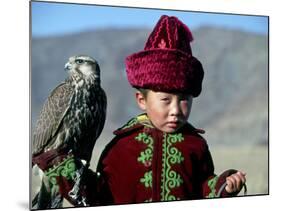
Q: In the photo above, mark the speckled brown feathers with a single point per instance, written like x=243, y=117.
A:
x=73, y=116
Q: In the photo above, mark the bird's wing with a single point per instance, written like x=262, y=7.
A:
x=51, y=116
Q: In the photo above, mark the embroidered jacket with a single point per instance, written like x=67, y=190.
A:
x=144, y=164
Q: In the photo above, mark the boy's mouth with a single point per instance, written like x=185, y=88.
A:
x=173, y=124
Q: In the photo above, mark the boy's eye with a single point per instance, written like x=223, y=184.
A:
x=165, y=99
x=184, y=102
x=183, y=99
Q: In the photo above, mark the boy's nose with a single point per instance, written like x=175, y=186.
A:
x=175, y=109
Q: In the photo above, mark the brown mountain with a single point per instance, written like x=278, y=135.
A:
x=233, y=106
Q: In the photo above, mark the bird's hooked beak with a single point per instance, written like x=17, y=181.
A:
x=67, y=66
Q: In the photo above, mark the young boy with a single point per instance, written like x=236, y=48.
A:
x=158, y=155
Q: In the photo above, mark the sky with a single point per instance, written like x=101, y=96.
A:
x=50, y=19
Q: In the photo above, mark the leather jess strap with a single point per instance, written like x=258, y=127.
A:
x=223, y=187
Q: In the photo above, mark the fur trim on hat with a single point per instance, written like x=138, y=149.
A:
x=166, y=64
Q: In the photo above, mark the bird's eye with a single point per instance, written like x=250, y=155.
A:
x=79, y=61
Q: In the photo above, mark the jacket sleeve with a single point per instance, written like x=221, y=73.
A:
x=95, y=189
x=214, y=185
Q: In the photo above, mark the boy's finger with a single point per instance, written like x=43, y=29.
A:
x=235, y=181
x=242, y=176
x=239, y=180
x=230, y=183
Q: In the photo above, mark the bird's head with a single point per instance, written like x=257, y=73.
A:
x=83, y=66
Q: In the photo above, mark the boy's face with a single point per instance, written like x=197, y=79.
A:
x=167, y=111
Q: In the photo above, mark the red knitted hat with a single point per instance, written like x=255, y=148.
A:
x=166, y=63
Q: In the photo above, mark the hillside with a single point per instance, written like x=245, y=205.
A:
x=233, y=106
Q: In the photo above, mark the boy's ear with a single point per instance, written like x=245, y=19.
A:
x=141, y=100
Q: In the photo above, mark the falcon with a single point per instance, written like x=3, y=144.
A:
x=70, y=122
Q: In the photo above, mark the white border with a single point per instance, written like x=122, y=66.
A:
x=14, y=109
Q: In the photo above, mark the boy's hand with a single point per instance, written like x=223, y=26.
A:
x=235, y=182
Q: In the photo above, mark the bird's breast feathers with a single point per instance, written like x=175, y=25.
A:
x=87, y=71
